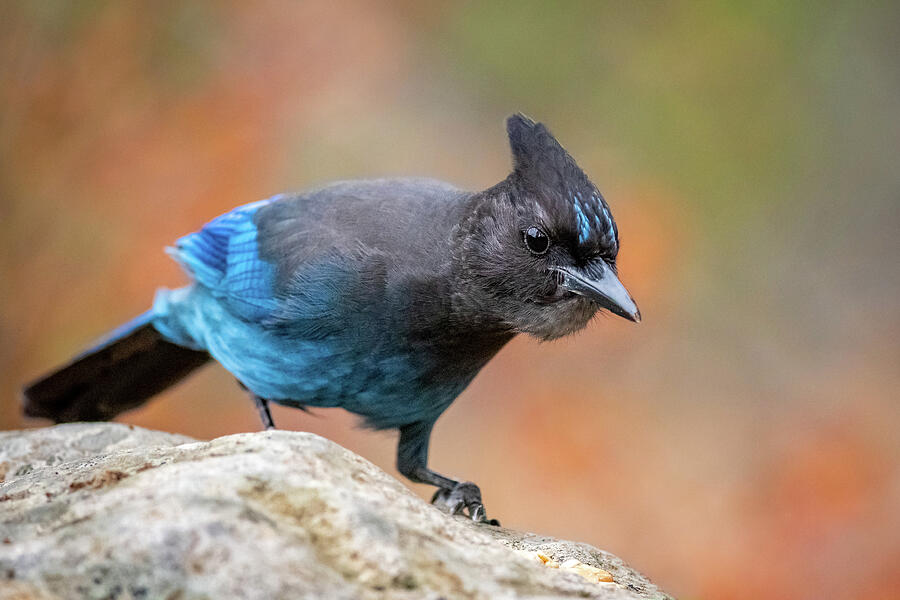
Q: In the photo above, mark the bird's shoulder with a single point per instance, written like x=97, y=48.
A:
x=406, y=221
x=308, y=252
x=377, y=212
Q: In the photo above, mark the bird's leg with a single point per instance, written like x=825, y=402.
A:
x=451, y=496
x=262, y=405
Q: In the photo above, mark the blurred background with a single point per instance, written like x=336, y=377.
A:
x=741, y=442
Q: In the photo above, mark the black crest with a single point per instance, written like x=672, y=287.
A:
x=545, y=171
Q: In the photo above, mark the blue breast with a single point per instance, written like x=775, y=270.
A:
x=387, y=386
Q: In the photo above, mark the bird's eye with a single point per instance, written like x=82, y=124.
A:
x=536, y=240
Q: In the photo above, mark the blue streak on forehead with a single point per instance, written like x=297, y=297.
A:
x=610, y=228
x=602, y=220
x=584, y=228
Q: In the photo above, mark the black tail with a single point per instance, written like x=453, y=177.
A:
x=121, y=372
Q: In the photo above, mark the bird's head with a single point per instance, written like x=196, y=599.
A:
x=541, y=246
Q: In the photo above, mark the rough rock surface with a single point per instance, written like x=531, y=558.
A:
x=112, y=511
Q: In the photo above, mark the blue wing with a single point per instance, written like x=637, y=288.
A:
x=224, y=257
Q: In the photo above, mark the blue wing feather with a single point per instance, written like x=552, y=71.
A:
x=223, y=256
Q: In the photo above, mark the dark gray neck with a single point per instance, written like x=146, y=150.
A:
x=452, y=314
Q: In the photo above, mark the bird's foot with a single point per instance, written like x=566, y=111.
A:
x=463, y=496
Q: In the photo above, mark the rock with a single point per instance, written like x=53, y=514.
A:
x=103, y=510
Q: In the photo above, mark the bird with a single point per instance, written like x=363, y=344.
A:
x=384, y=297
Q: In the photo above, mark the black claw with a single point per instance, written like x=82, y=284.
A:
x=463, y=496
x=477, y=512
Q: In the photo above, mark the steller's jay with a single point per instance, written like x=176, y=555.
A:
x=384, y=297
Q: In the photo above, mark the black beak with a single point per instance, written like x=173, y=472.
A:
x=598, y=282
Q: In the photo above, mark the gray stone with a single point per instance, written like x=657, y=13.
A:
x=112, y=511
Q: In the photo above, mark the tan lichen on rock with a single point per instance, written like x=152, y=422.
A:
x=589, y=572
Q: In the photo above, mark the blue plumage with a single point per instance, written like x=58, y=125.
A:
x=384, y=386
x=223, y=257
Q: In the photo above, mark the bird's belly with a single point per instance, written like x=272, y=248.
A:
x=388, y=390
x=387, y=384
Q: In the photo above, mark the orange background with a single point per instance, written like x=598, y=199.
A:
x=741, y=442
